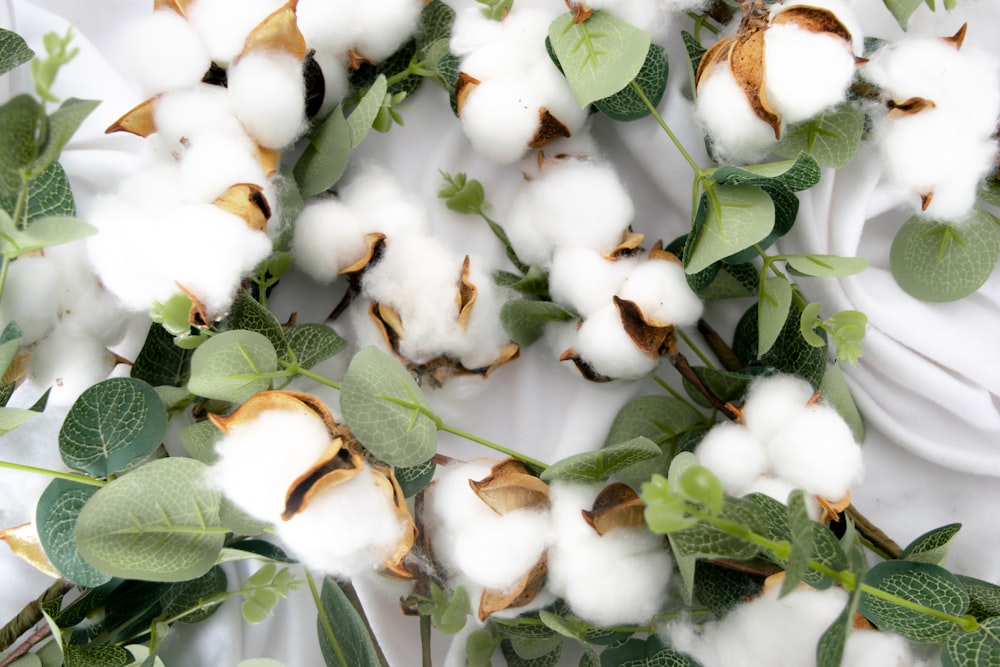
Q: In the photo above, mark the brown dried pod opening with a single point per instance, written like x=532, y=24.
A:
x=463, y=88
x=340, y=462
x=616, y=506
x=521, y=594
x=746, y=62
x=139, y=120
x=650, y=336
x=375, y=243
x=510, y=486
x=277, y=399
x=550, y=128
x=178, y=6
x=813, y=19
x=908, y=107
x=629, y=246
x=466, y=296
x=393, y=566
x=279, y=31
x=586, y=370
x=247, y=201
x=958, y=38
x=389, y=322
x=717, y=53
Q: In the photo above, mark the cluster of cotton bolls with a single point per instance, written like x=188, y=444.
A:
x=938, y=138
x=511, y=97
x=573, y=218
x=497, y=552
x=351, y=521
x=782, y=67
x=421, y=299
x=785, y=631
x=785, y=440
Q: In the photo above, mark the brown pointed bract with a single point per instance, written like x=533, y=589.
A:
x=510, y=486
x=247, y=201
x=628, y=246
x=908, y=107
x=392, y=566
x=466, y=296
x=550, y=128
x=463, y=87
x=524, y=592
x=375, y=242
x=650, y=336
x=278, y=32
x=616, y=506
x=179, y=6
x=958, y=38
x=24, y=542
x=139, y=120
x=341, y=461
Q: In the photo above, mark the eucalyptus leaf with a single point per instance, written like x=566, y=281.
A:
x=800, y=173
x=745, y=215
x=835, y=392
x=509, y=650
x=113, y=425
x=160, y=522
x=313, y=343
x=524, y=320
x=984, y=596
x=62, y=124
x=96, y=656
x=599, y=56
x=902, y=10
x=937, y=262
x=386, y=410
x=199, y=439
x=415, y=478
x=597, y=466
x=227, y=366
x=923, y=584
x=790, y=353
x=160, y=362
x=325, y=158
x=826, y=266
x=48, y=195
x=11, y=418
x=14, y=51
x=830, y=649
x=658, y=418
x=773, y=304
x=974, y=649
x=801, y=532
x=55, y=518
x=436, y=20
x=343, y=638
x=42, y=233
x=361, y=118
x=19, y=129
x=185, y=596
x=626, y=105
x=831, y=138
x=933, y=546
x=722, y=589
x=247, y=313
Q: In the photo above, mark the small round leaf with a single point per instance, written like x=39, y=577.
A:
x=227, y=366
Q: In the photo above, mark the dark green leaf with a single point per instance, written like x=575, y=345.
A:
x=694, y=51
x=414, y=478
x=343, y=638
x=797, y=174
x=513, y=659
x=62, y=124
x=14, y=51
x=186, y=595
x=436, y=19
x=96, y=656
x=731, y=281
x=112, y=426
x=644, y=653
x=19, y=138
x=721, y=588
x=726, y=385
x=524, y=320
x=447, y=68
x=391, y=67
x=790, y=353
x=55, y=518
x=533, y=283
x=325, y=158
x=923, y=584
x=933, y=546
x=626, y=105
x=974, y=649
x=597, y=466
x=801, y=534
x=160, y=362
x=830, y=649
x=313, y=343
x=49, y=195
x=985, y=597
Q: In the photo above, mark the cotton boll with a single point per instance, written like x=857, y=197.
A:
x=772, y=402
x=662, y=293
x=213, y=163
x=69, y=361
x=224, y=25
x=376, y=195
x=267, y=92
x=879, y=649
x=603, y=344
x=839, y=8
x=737, y=134
x=816, y=452
x=188, y=114
x=83, y=302
x=166, y=53
x=532, y=246
x=556, y=95
x=483, y=336
x=807, y=71
x=472, y=31
x=31, y=290
x=501, y=117
x=585, y=281
x=155, y=186
x=328, y=238
x=346, y=529
x=382, y=27
x=955, y=198
x=734, y=456
x=261, y=458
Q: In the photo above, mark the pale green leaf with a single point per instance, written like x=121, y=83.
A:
x=524, y=320
x=773, y=304
x=626, y=105
x=48, y=195
x=747, y=216
x=41, y=233
x=902, y=10
x=174, y=315
x=11, y=418
x=55, y=517
x=924, y=584
x=836, y=392
x=361, y=118
x=933, y=546
x=343, y=638
x=809, y=320
x=325, y=158
x=199, y=439
x=386, y=410
x=313, y=343
x=597, y=466
x=831, y=138
x=936, y=261
x=248, y=314
x=599, y=56
x=159, y=522
x=14, y=51
x=827, y=266
x=514, y=659
x=62, y=124
x=227, y=366
x=974, y=649
x=28, y=660
x=112, y=426
x=238, y=521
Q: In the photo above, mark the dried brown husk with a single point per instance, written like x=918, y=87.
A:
x=658, y=253
x=833, y=508
x=279, y=31
x=549, y=129
x=958, y=38
x=389, y=322
x=463, y=88
x=277, y=399
x=139, y=120
x=716, y=54
x=24, y=542
x=466, y=296
x=510, y=486
x=375, y=243
x=519, y=595
x=18, y=369
x=908, y=107
x=268, y=158
x=342, y=461
x=178, y=6
x=393, y=566
x=616, y=506
x=246, y=201
x=628, y=246
x=651, y=336
x=198, y=315
x=746, y=63
x=586, y=370
x=813, y=19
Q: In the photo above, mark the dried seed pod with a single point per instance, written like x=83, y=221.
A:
x=247, y=201
x=139, y=120
x=510, y=486
x=522, y=593
x=279, y=32
x=616, y=506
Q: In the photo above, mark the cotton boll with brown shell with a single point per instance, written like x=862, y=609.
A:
x=661, y=291
x=329, y=237
x=267, y=93
x=224, y=25
x=166, y=53
x=604, y=346
x=584, y=280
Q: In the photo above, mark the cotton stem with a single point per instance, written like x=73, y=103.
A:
x=683, y=367
x=719, y=347
x=666, y=128
x=82, y=479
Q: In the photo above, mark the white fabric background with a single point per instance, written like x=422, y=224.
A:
x=928, y=384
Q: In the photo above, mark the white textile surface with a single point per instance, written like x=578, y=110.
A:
x=928, y=383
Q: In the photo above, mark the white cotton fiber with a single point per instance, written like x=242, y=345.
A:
x=83, y=301
x=375, y=30
x=267, y=92
x=32, y=288
x=620, y=577
x=807, y=71
x=188, y=114
x=225, y=24
x=583, y=280
x=166, y=53
x=376, y=195
x=879, y=649
x=347, y=529
x=260, y=459
x=500, y=117
x=772, y=402
x=69, y=361
x=212, y=163
x=734, y=456
x=472, y=31
x=839, y=8
x=661, y=291
x=556, y=96
x=532, y=246
x=608, y=349
x=737, y=134
x=328, y=238
x=816, y=452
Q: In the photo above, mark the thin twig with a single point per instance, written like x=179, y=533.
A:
x=873, y=533
x=29, y=643
x=683, y=367
x=31, y=614
x=722, y=351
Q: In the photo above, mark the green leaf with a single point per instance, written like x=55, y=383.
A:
x=55, y=517
x=827, y=266
x=41, y=233
x=112, y=426
x=394, y=68
x=514, y=659
x=831, y=138
x=160, y=522
x=414, y=478
x=533, y=283
x=524, y=320
x=597, y=466
x=726, y=385
x=313, y=343
x=933, y=546
x=695, y=51
x=773, y=304
x=836, y=393
x=462, y=194
x=325, y=158
x=186, y=595
x=199, y=439
x=599, y=56
x=809, y=321
x=924, y=584
x=436, y=20
x=937, y=261
x=19, y=138
x=96, y=656
x=984, y=596
x=747, y=216
x=386, y=410
x=29, y=659
x=48, y=195
x=479, y=648
x=902, y=10
x=698, y=485
x=626, y=105
x=239, y=522
x=790, y=353
x=160, y=362
x=801, y=532
x=343, y=638
x=495, y=10
x=14, y=51
x=226, y=367
x=974, y=649
x=248, y=314
x=705, y=541
x=361, y=118
x=830, y=649
x=721, y=588
x=11, y=418
x=62, y=124
x=260, y=662
x=800, y=173
x=174, y=315
x=731, y=281
x=450, y=610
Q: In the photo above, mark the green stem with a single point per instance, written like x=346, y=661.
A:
x=82, y=479
x=4, y=267
x=534, y=463
x=697, y=350
x=325, y=620
x=20, y=207
x=663, y=124
x=499, y=232
x=426, y=659
x=293, y=368
x=769, y=263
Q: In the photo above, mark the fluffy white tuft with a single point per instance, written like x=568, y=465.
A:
x=375, y=194
x=879, y=649
x=841, y=9
x=608, y=349
x=737, y=134
x=585, y=281
x=69, y=361
x=166, y=53
x=346, y=529
x=31, y=280
x=189, y=114
x=224, y=25
x=260, y=459
x=267, y=92
x=212, y=163
x=374, y=29
x=328, y=238
x=501, y=118
x=774, y=401
x=734, y=455
x=662, y=293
